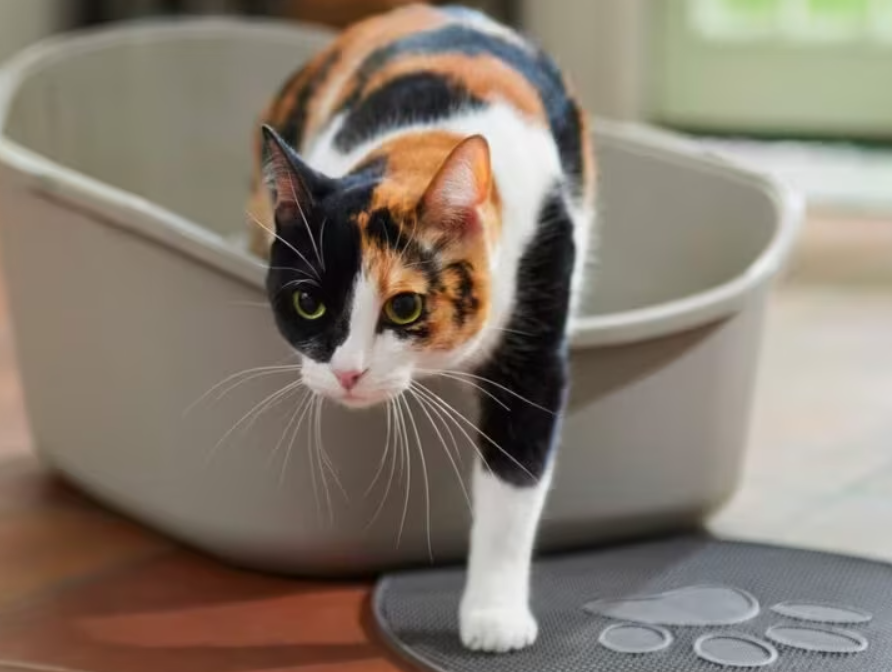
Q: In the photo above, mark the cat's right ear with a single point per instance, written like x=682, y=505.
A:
x=293, y=185
x=459, y=193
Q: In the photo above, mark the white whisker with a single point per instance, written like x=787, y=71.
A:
x=320, y=460
x=446, y=414
x=258, y=409
x=446, y=374
x=251, y=259
x=321, y=240
x=288, y=269
x=304, y=218
x=272, y=404
x=409, y=239
x=249, y=373
x=313, y=467
x=250, y=304
x=488, y=439
x=458, y=375
x=391, y=414
x=281, y=442
x=245, y=380
x=427, y=486
x=284, y=242
x=284, y=470
x=325, y=455
x=461, y=481
x=439, y=413
x=296, y=283
x=407, y=458
x=507, y=331
x=381, y=462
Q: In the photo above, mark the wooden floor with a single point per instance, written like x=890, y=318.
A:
x=82, y=590
x=14, y=436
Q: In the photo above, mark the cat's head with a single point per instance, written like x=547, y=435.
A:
x=376, y=279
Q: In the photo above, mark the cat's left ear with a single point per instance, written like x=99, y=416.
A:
x=457, y=197
x=293, y=185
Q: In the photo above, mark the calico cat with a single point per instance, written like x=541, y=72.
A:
x=426, y=191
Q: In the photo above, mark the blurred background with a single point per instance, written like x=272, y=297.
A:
x=801, y=87
x=798, y=88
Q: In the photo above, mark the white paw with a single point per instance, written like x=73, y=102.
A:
x=497, y=629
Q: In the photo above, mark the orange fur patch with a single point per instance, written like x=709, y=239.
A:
x=413, y=160
x=589, y=168
x=393, y=274
x=283, y=108
x=356, y=44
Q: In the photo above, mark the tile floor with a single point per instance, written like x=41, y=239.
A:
x=819, y=472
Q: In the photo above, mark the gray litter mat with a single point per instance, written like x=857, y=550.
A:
x=683, y=604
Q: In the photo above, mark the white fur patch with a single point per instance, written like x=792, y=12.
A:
x=385, y=359
x=495, y=614
x=356, y=352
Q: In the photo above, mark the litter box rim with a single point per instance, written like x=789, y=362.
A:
x=126, y=210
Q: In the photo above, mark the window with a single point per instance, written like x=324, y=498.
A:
x=793, y=20
x=778, y=67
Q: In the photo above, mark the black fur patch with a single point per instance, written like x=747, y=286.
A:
x=383, y=232
x=420, y=330
x=465, y=303
x=425, y=97
x=354, y=191
x=531, y=359
x=416, y=98
x=331, y=228
x=386, y=234
x=295, y=127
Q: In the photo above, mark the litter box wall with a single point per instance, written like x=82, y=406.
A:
x=125, y=161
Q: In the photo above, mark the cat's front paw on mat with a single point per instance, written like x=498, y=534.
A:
x=497, y=629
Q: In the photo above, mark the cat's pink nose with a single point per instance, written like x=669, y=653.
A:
x=348, y=379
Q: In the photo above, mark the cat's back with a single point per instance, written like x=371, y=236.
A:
x=425, y=65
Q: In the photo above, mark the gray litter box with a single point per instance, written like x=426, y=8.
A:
x=125, y=160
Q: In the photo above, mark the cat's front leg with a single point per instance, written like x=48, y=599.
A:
x=521, y=405
x=495, y=614
x=509, y=491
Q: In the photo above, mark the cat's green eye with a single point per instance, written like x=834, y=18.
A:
x=308, y=306
x=403, y=309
